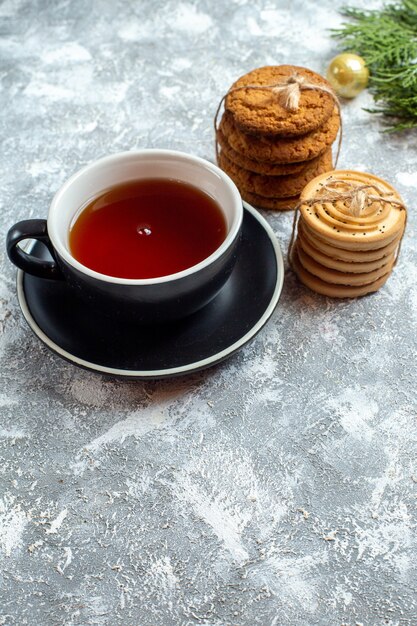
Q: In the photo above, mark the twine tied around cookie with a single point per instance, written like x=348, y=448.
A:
x=288, y=93
x=359, y=198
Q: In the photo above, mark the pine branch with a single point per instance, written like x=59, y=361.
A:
x=387, y=40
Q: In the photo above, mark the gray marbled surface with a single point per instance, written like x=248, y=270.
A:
x=276, y=489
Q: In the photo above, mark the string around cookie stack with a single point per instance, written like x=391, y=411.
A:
x=288, y=95
x=359, y=199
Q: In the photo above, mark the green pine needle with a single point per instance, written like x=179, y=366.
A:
x=387, y=40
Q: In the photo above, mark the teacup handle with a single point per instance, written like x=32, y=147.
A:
x=32, y=229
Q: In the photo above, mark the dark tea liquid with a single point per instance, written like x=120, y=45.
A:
x=147, y=228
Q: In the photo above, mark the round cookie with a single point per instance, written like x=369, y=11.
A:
x=277, y=204
x=281, y=149
x=378, y=225
x=276, y=186
x=333, y=291
x=350, y=267
x=269, y=169
x=258, y=111
x=335, y=277
x=350, y=256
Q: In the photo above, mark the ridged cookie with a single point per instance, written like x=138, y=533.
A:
x=327, y=289
x=336, y=277
x=258, y=111
x=378, y=225
x=350, y=256
x=349, y=267
x=275, y=186
x=281, y=149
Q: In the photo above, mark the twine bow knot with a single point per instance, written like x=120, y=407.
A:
x=288, y=93
x=358, y=201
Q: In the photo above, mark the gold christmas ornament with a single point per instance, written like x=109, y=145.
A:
x=348, y=74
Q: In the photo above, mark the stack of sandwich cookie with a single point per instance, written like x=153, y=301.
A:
x=348, y=234
x=270, y=147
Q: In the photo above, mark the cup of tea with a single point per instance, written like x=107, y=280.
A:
x=151, y=234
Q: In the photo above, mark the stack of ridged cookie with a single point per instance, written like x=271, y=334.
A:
x=272, y=152
x=343, y=253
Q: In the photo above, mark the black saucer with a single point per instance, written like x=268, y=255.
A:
x=89, y=340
